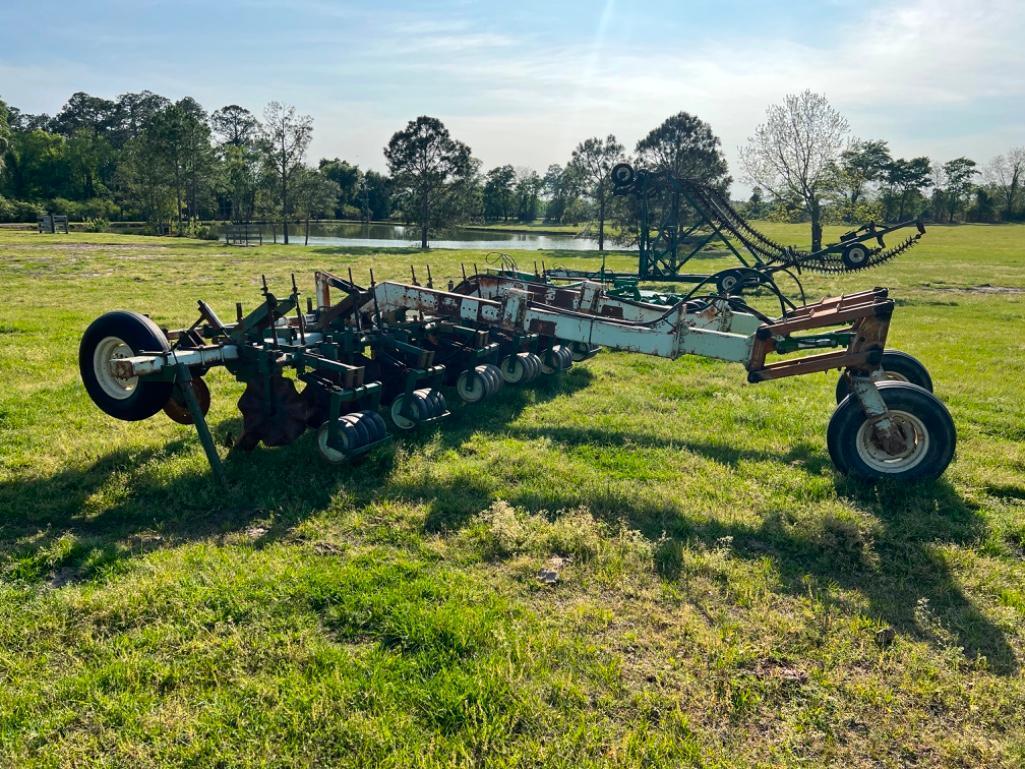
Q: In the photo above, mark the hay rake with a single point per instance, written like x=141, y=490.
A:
x=693, y=216
x=394, y=349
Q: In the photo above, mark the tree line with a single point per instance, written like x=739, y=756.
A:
x=814, y=170
x=173, y=164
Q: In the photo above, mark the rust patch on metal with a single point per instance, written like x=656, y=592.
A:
x=449, y=306
x=537, y=293
x=612, y=311
x=565, y=298
x=542, y=327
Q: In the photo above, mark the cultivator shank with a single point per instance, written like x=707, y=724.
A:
x=397, y=348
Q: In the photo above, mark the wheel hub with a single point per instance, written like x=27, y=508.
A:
x=902, y=446
x=108, y=374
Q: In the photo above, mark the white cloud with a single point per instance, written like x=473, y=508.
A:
x=890, y=72
x=937, y=77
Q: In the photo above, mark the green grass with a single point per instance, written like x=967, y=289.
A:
x=725, y=599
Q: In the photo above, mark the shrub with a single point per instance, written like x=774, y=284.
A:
x=98, y=208
x=351, y=212
x=24, y=211
x=69, y=208
x=97, y=225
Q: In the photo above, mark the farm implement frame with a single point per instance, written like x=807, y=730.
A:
x=395, y=349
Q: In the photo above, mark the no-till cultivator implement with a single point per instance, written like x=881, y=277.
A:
x=380, y=359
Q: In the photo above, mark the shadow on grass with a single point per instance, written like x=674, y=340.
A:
x=124, y=504
x=78, y=521
x=901, y=573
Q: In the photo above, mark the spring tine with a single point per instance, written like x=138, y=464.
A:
x=477, y=276
x=299, y=311
x=377, y=308
x=412, y=271
x=430, y=280
x=356, y=316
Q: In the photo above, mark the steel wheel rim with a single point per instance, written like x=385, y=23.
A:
x=113, y=348
x=331, y=455
x=513, y=369
x=471, y=386
x=401, y=422
x=877, y=458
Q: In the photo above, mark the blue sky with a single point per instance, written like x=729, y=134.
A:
x=523, y=81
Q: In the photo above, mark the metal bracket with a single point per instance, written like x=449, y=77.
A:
x=184, y=380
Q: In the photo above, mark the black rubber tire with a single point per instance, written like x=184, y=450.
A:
x=493, y=375
x=140, y=334
x=897, y=362
x=423, y=403
x=437, y=401
x=842, y=433
x=379, y=423
x=582, y=352
x=350, y=435
x=533, y=367
x=366, y=418
x=363, y=430
x=729, y=283
x=567, y=356
x=622, y=175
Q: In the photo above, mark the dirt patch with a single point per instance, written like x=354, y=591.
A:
x=89, y=247
x=985, y=288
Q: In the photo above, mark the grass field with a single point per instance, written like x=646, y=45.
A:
x=724, y=599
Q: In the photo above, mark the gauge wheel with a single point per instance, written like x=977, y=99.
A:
x=472, y=386
x=514, y=369
x=348, y=437
x=920, y=448
x=398, y=419
x=122, y=334
x=855, y=256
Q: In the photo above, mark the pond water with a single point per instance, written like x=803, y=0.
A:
x=399, y=236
